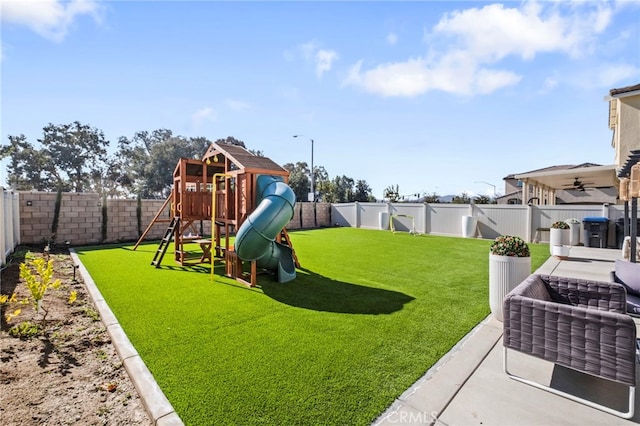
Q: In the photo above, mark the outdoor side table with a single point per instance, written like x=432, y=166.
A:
x=205, y=245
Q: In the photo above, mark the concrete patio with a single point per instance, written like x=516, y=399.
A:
x=469, y=387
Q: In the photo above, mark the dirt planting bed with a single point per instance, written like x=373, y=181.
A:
x=69, y=372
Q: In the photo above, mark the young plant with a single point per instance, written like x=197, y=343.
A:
x=38, y=277
x=39, y=282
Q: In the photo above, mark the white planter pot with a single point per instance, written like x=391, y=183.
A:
x=561, y=252
x=574, y=234
x=383, y=219
x=505, y=273
x=469, y=226
x=558, y=237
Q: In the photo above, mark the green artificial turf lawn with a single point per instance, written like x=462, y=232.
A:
x=367, y=315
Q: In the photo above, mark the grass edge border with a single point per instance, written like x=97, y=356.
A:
x=155, y=402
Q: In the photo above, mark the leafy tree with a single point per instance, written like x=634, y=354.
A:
x=344, y=188
x=299, y=179
x=482, y=199
x=27, y=167
x=327, y=191
x=432, y=198
x=76, y=150
x=145, y=163
x=363, y=191
x=320, y=177
x=391, y=193
x=69, y=157
x=461, y=199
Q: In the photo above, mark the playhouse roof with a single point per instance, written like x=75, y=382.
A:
x=244, y=160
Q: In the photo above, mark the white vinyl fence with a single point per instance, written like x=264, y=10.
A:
x=492, y=219
x=9, y=223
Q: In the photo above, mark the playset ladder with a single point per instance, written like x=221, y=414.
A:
x=156, y=219
x=284, y=238
x=164, y=243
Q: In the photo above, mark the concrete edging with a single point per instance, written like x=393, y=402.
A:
x=158, y=407
x=426, y=400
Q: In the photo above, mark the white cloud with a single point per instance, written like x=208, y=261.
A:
x=324, y=60
x=49, y=18
x=396, y=79
x=309, y=49
x=494, y=31
x=203, y=115
x=392, y=38
x=465, y=46
x=415, y=77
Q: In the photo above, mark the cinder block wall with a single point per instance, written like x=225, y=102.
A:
x=149, y=210
x=80, y=221
x=303, y=216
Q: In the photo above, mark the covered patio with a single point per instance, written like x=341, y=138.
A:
x=540, y=187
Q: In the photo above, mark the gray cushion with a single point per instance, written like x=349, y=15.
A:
x=633, y=304
x=628, y=273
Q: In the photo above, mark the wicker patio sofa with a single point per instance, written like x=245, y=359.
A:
x=628, y=275
x=575, y=323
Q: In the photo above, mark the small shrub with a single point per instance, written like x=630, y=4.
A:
x=508, y=245
x=25, y=330
x=37, y=275
x=56, y=214
x=91, y=313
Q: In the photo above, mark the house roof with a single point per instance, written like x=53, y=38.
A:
x=624, y=90
x=243, y=159
x=592, y=176
x=553, y=168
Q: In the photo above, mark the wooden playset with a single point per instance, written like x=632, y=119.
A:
x=223, y=187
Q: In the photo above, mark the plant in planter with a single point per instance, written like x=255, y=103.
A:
x=508, y=245
x=558, y=235
x=509, y=265
x=560, y=225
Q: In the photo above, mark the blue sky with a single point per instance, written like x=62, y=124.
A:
x=431, y=96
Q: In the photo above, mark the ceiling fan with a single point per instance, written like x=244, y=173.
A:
x=578, y=184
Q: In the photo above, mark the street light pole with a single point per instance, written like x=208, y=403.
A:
x=313, y=186
x=495, y=194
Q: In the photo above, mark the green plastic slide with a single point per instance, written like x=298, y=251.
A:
x=255, y=239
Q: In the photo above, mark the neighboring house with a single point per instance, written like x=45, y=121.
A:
x=576, y=189
x=586, y=183
x=624, y=120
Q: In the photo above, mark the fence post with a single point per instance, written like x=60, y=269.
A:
x=356, y=205
x=529, y=222
x=10, y=220
x=424, y=217
x=3, y=227
x=605, y=213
